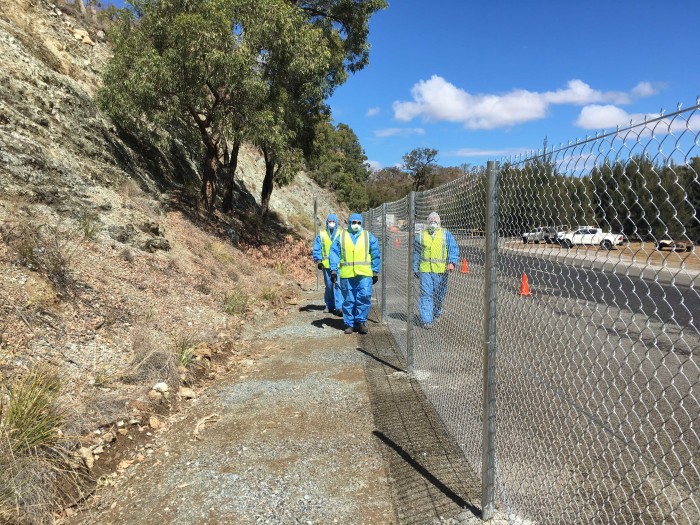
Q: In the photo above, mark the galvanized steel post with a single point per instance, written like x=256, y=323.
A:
x=383, y=268
x=316, y=233
x=488, y=456
x=409, y=281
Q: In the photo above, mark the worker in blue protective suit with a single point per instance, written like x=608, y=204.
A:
x=355, y=259
x=333, y=297
x=435, y=255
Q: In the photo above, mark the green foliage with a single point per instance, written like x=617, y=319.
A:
x=641, y=198
x=222, y=71
x=419, y=163
x=338, y=163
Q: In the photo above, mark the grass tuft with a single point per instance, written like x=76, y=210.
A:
x=235, y=303
x=38, y=472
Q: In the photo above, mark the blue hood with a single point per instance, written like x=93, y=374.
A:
x=331, y=217
x=354, y=217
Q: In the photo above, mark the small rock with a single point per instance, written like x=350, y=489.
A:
x=154, y=396
x=160, y=387
x=155, y=423
x=156, y=243
x=99, y=449
x=109, y=437
x=187, y=393
x=87, y=455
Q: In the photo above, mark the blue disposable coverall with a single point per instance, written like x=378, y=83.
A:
x=357, y=291
x=433, y=286
x=333, y=297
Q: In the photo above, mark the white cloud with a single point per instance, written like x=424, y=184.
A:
x=374, y=165
x=437, y=99
x=371, y=112
x=398, y=132
x=646, y=89
x=607, y=117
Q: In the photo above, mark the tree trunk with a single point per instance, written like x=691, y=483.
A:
x=231, y=163
x=83, y=12
x=267, y=184
x=209, y=179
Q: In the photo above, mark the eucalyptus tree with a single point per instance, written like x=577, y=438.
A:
x=419, y=163
x=227, y=71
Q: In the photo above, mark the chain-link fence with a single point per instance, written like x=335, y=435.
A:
x=564, y=357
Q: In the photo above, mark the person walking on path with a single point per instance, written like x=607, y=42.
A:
x=356, y=259
x=333, y=297
x=435, y=255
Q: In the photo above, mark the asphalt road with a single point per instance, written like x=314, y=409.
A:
x=598, y=386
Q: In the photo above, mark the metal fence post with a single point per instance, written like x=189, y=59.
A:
x=383, y=269
x=409, y=281
x=488, y=459
x=316, y=235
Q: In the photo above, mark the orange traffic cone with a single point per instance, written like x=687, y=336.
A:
x=524, y=286
x=465, y=268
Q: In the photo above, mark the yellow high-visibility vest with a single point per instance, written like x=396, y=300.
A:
x=434, y=254
x=326, y=241
x=355, y=260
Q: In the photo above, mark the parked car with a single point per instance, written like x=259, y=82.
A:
x=676, y=246
x=591, y=236
x=546, y=234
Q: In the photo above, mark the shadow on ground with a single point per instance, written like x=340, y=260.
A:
x=430, y=476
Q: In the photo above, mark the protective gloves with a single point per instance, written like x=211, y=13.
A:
x=320, y=266
x=334, y=277
x=417, y=274
x=375, y=278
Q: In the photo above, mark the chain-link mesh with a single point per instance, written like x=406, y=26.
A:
x=598, y=323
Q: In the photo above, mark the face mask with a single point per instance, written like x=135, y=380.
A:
x=331, y=225
x=356, y=227
x=432, y=228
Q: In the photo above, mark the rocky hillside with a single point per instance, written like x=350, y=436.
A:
x=110, y=274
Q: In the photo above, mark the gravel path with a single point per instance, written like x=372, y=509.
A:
x=288, y=440
x=319, y=428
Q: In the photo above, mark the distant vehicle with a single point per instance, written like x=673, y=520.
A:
x=546, y=234
x=676, y=246
x=590, y=236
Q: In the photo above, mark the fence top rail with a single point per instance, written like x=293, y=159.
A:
x=577, y=143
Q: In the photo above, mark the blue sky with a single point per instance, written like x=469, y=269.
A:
x=479, y=80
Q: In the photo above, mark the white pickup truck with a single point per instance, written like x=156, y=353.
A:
x=589, y=235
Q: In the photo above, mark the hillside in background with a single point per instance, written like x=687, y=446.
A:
x=111, y=274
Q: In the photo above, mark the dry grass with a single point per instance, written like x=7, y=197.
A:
x=46, y=248
x=151, y=363
x=235, y=303
x=221, y=252
x=38, y=472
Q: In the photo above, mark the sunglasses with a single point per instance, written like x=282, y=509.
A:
x=355, y=222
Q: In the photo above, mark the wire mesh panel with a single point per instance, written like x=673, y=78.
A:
x=448, y=306
x=598, y=357
x=396, y=268
x=598, y=323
